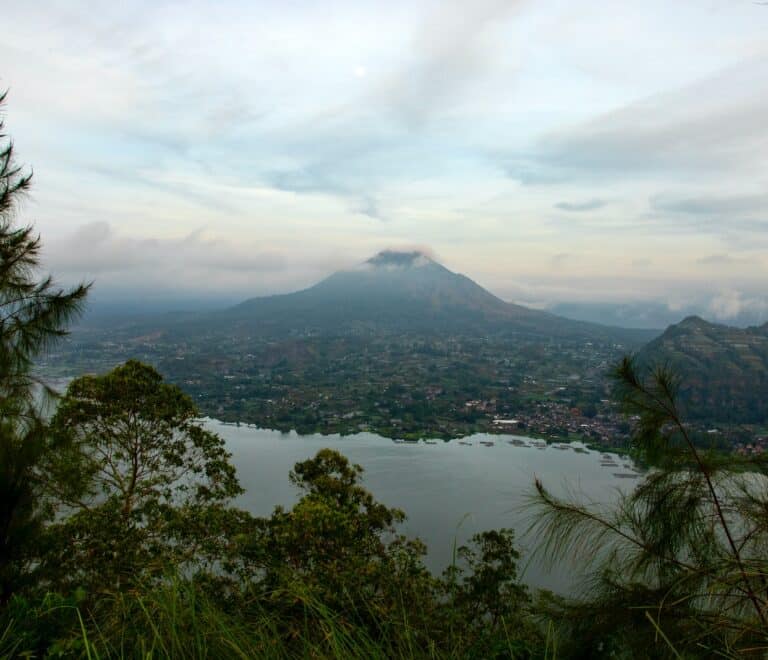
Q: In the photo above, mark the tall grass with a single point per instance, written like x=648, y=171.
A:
x=178, y=621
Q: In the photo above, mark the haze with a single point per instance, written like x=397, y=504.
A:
x=555, y=152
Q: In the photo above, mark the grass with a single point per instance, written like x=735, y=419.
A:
x=178, y=621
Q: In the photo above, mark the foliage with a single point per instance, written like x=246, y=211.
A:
x=336, y=526
x=144, y=484
x=22, y=446
x=339, y=547
x=486, y=598
x=679, y=565
x=33, y=314
x=178, y=620
x=33, y=311
x=329, y=577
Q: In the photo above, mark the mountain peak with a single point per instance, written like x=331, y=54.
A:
x=399, y=259
x=693, y=321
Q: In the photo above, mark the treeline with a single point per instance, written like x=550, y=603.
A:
x=119, y=537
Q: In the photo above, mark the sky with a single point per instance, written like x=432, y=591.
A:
x=556, y=152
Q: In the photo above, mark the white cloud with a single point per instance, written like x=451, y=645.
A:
x=710, y=125
x=729, y=304
x=198, y=263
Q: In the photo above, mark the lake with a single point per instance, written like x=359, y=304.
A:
x=449, y=490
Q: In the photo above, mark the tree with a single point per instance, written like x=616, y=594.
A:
x=34, y=313
x=337, y=532
x=146, y=484
x=486, y=599
x=679, y=565
x=339, y=548
x=337, y=554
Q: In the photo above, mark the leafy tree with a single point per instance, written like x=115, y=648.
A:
x=339, y=541
x=337, y=553
x=34, y=312
x=679, y=565
x=146, y=484
x=485, y=598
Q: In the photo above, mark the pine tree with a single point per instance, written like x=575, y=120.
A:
x=678, y=567
x=34, y=313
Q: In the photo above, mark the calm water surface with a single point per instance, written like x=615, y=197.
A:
x=448, y=490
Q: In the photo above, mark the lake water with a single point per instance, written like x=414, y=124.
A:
x=448, y=490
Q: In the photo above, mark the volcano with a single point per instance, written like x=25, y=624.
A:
x=407, y=291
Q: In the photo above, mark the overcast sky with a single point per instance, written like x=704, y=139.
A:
x=551, y=150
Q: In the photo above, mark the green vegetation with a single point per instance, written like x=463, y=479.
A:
x=144, y=486
x=33, y=312
x=153, y=573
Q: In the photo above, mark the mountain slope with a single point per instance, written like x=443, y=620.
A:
x=724, y=369
x=408, y=291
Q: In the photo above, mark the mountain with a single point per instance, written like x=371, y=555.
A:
x=724, y=369
x=407, y=292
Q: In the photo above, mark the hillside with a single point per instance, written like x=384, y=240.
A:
x=724, y=369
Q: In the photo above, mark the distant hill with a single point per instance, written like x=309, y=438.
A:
x=408, y=291
x=724, y=369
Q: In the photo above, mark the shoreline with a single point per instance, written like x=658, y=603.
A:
x=431, y=440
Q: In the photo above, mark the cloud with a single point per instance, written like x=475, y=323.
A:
x=196, y=261
x=587, y=205
x=730, y=304
x=560, y=259
x=331, y=177
x=455, y=46
x=723, y=260
x=729, y=214
x=717, y=124
x=311, y=178
x=369, y=206
x=708, y=205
